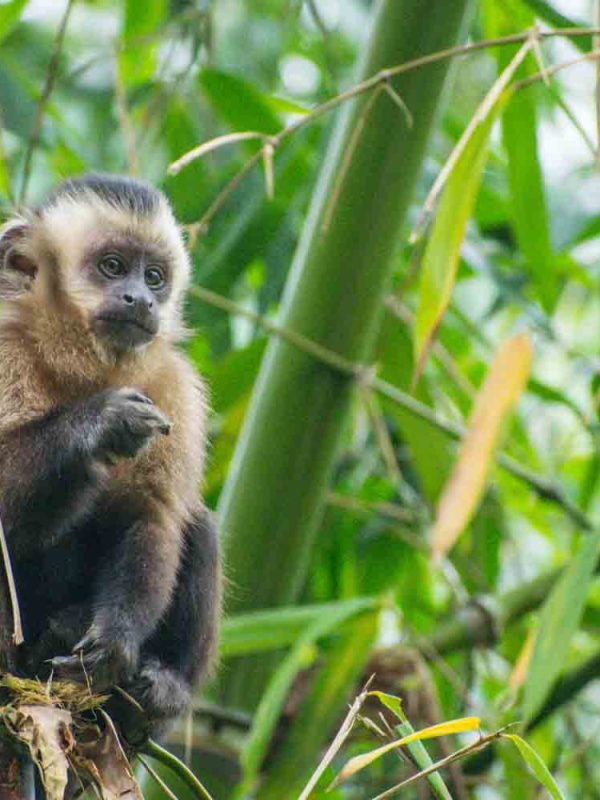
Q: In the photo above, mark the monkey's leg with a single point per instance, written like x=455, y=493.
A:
x=182, y=650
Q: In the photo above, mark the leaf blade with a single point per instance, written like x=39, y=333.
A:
x=505, y=381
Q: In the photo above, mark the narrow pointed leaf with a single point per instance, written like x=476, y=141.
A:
x=275, y=695
x=272, y=629
x=539, y=769
x=525, y=179
x=559, y=620
x=504, y=383
x=394, y=704
x=458, y=183
x=432, y=732
x=416, y=749
x=440, y=261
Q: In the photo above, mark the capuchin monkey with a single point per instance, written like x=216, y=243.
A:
x=102, y=429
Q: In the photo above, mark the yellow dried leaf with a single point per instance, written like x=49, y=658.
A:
x=433, y=731
x=505, y=381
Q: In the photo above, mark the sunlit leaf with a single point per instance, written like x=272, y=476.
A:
x=519, y=135
x=9, y=15
x=506, y=379
x=416, y=749
x=442, y=253
x=539, y=769
x=260, y=631
x=239, y=103
x=357, y=763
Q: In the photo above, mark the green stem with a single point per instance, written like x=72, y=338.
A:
x=183, y=772
x=272, y=501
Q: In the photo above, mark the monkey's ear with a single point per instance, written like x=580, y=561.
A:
x=17, y=269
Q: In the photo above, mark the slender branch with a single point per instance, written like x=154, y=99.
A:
x=480, y=744
x=596, y=45
x=124, y=118
x=544, y=487
x=12, y=590
x=51, y=74
x=184, y=773
x=380, y=80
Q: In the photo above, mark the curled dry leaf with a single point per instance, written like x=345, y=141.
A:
x=504, y=383
x=47, y=734
x=106, y=763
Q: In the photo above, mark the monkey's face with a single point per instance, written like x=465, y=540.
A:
x=132, y=283
x=104, y=256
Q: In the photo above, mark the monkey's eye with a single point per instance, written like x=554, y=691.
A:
x=155, y=278
x=112, y=266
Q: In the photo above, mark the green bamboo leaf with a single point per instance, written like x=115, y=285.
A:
x=539, y=769
x=10, y=14
x=416, y=748
x=276, y=692
x=519, y=137
x=261, y=631
x=141, y=20
x=298, y=754
x=442, y=253
x=394, y=704
x=547, y=13
x=559, y=620
x=240, y=104
x=358, y=763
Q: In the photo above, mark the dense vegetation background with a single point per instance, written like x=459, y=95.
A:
x=360, y=538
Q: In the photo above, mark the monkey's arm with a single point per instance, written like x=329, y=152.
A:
x=51, y=466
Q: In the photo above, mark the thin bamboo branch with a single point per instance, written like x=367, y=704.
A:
x=51, y=74
x=379, y=80
x=544, y=487
x=124, y=118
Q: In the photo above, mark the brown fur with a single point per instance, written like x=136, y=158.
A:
x=50, y=357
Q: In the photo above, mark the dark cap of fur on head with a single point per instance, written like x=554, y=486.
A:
x=133, y=196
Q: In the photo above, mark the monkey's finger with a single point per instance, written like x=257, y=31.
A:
x=68, y=666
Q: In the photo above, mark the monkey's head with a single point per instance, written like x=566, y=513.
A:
x=104, y=253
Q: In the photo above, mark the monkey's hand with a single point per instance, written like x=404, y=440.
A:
x=127, y=420
x=102, y=657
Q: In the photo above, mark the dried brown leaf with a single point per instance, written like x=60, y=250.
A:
x=504, y=383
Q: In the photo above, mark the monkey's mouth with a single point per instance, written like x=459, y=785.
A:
x=124, y=332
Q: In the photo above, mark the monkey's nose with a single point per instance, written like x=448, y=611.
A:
x=129, y=299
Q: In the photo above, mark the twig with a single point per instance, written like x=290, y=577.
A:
x=380, y=79
x=482, y=112
x=480, y=744
x=4, y=160
x=389, y=510
x=339, y=740
x=158, y=753
x=596, y=45
x=544, y=487
x=125, y=121
x=51, y=74
x=18, y=637
x=347, y=158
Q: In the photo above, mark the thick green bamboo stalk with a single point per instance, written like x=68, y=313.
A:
x=272, y=501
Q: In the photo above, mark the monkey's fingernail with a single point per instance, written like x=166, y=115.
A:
x=165, y=428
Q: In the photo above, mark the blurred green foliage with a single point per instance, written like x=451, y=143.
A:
x=139, y=83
